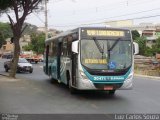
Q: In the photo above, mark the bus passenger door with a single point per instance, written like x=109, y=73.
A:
x=74, y=61
x=46, y=61
x=59, y=50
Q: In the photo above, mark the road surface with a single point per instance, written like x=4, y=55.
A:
x=34, y=93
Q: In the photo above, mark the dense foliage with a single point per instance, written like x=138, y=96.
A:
x=143, y=48
x=142, y=44
x=37, y=43
x=156, y=46
x=4, y=5
x=135, y=34
x=5, y=32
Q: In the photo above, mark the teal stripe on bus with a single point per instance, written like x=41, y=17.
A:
x=106, y=79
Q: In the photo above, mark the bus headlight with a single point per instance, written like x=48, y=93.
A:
x=83, y=76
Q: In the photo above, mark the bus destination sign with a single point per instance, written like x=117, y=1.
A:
x=111, y=33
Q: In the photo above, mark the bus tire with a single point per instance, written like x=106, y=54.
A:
x=111, y=92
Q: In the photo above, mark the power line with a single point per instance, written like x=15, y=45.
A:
x=144, y=17
x=39, y=18
x=70, y=24
x=133, y=13
x=118, y=16
x=110, y=7
x=102, y=20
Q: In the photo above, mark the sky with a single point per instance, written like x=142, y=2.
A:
x=69, y=14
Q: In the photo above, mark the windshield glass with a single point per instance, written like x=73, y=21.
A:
x=22, y=61
x=108, y=55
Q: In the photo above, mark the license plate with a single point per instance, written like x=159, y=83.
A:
x=108, y=87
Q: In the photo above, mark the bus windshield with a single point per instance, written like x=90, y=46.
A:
x=106, y=54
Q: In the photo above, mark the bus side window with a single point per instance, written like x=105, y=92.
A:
x=69, y=43
x=64, y=47
x=54, y=48
x=50, y=49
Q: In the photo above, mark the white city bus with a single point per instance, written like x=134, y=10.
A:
x=91, y=58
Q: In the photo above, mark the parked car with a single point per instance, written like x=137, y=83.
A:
x=7, y=56
x=23, y=65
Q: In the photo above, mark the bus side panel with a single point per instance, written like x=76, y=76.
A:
x=54, y=61
x=65, y=69
x=54, y=68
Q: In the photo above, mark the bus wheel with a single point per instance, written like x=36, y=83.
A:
x=111, y=92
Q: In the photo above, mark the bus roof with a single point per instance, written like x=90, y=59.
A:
x=77, y=30
x=62, y=34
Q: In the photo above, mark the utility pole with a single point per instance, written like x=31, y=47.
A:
x=46, y=20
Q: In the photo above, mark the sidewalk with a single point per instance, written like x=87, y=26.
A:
x=5, y=78
x=20, y=96
x=3, y=75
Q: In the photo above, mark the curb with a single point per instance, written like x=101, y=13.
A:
x=3, y=75
x=146, y=76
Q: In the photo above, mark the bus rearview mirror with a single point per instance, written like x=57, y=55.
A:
x=75, y=46
x=136, y=48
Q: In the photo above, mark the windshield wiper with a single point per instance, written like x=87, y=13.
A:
x=101, y=50
x=114, y=44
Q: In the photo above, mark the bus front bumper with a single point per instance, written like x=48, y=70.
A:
x=86, y=84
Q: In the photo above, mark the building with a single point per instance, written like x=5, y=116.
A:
x=149, y=30
x=51, y=32
x=120, y=23
x=151, y=36
x=8, y=47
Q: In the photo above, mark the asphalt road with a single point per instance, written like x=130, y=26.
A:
x=34, y=93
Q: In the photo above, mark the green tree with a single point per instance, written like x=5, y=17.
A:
x=156, y=46
x=142, y=44
x=28, y=47
x=5, y=32
x=21, y=9
x=135, y=34
x=149, y=51
x=36, y=40
x=4, y=5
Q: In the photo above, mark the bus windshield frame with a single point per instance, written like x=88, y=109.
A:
x=106, y=54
